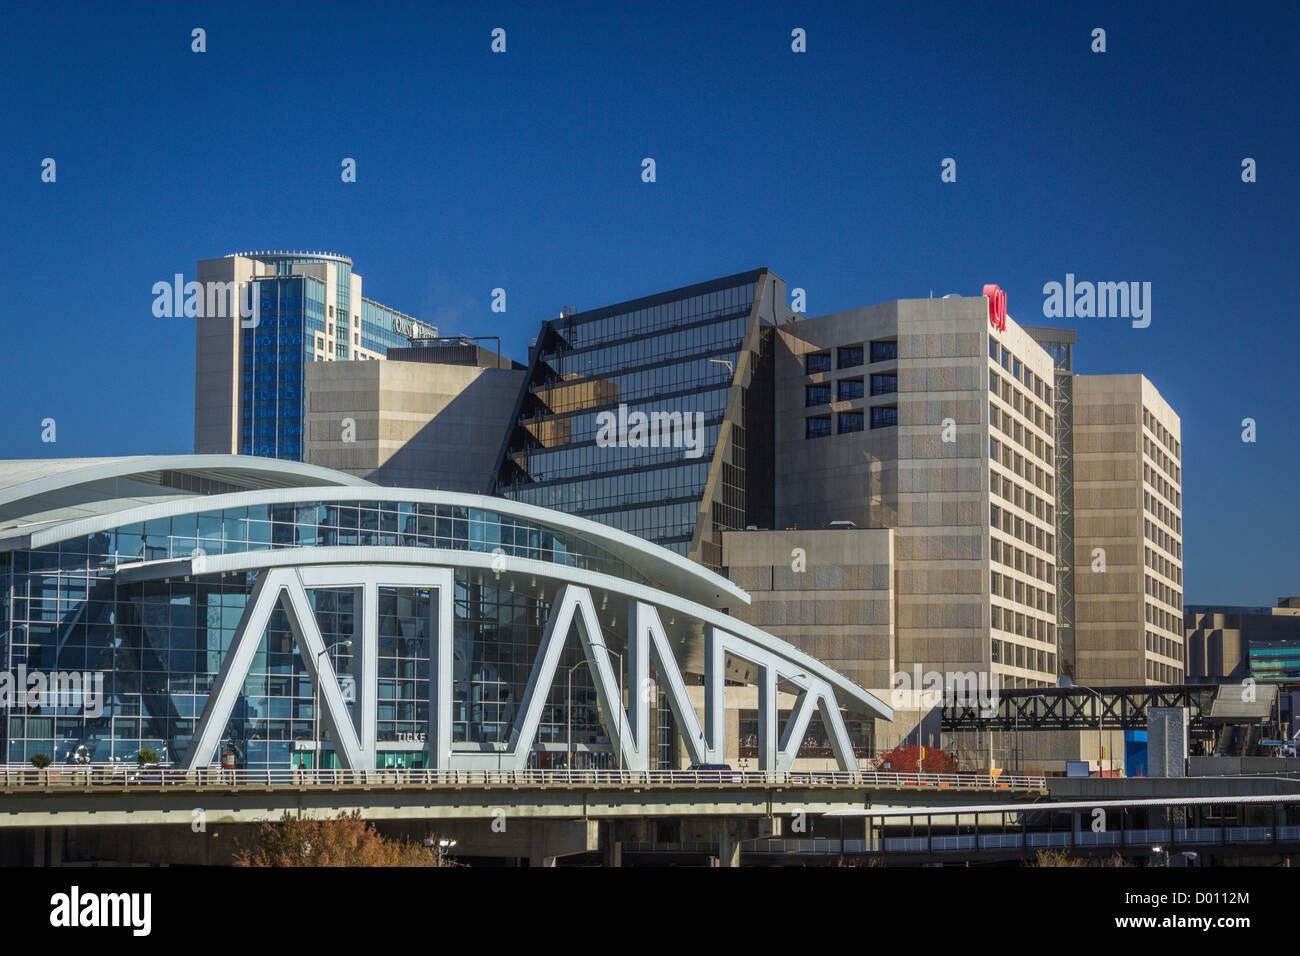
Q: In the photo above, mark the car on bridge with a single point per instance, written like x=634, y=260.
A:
x=714, y=773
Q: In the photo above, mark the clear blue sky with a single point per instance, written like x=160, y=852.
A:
x=522, y=171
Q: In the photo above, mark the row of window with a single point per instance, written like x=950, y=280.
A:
x=849, y=389
x=1164, y=646
x=1162, y=565
x=1166, y=464
x=1030, y=658
x=1158, y=536
x=653, y=318
x=1163, y=592
x=1163, y=512
x=1006, y=554
x=1005, y=586
x=1164, y=673
x=819, y=426
x=605, y=358
x=851, y=356
x=1021, y=529
x=1163, y=619
x=1020, y=465
x=1020, y=401
x=1163, y=435
x=1010, y=426
x=1000, y=354
x=1165, y=487
x=1021, y=497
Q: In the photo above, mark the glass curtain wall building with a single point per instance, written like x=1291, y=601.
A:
x=204, y=592
x=161, y=643
x=249, y=388
x=700, y=354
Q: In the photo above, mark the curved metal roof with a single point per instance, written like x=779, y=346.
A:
x=665, y=568
x=35, y=491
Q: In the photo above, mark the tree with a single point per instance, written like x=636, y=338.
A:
x=41, y=761
x=346, y=840
x=145, y=756
x=905, y=759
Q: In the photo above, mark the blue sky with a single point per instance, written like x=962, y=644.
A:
x=522, y=170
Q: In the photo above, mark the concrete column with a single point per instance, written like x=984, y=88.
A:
x=728, y=844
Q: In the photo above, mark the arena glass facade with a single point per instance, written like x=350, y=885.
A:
x=153, y=597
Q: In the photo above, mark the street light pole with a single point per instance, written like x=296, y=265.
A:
x=618, y=703
x=315, y=704
x=568, y=716
x=1065, y=681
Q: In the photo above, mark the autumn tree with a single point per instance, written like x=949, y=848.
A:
x=905, y=760
x=346, y=840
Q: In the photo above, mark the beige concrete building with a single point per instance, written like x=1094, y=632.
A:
x=921, y=416
x=409, y=424
x=829, y=593
x=1227, y=644
x=1128, y=533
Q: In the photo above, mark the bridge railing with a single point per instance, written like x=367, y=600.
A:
x=96, y=776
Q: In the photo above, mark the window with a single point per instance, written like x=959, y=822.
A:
x=851, y=422
x=993, y=348
x=884, y=384
x=850, y=388
x=884, y=416
x=884, y=351
x=817, y=427
x=818, y=362
x=818, y=394
x=850, y=356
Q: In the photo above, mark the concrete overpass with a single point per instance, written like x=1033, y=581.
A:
x=534, y=815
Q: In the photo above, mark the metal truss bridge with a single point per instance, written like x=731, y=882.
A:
x=1078, y=708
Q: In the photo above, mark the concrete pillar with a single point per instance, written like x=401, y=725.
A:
x=614, y=853
x=728, y=845
x=541, y=861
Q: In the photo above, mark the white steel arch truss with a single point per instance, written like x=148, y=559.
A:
x=572, y=610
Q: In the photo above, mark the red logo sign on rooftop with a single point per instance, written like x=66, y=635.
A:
x=997, y=307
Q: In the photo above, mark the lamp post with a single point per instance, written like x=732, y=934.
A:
x=568, y=716
x=315, y=702
x=1065, y=681
x=618, y=703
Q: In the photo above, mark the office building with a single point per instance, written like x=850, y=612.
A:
x=923, y=416
x=1227, y=644
x=428, y=416
x=652, y=415
x=277, y=313
x=1128, y=533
